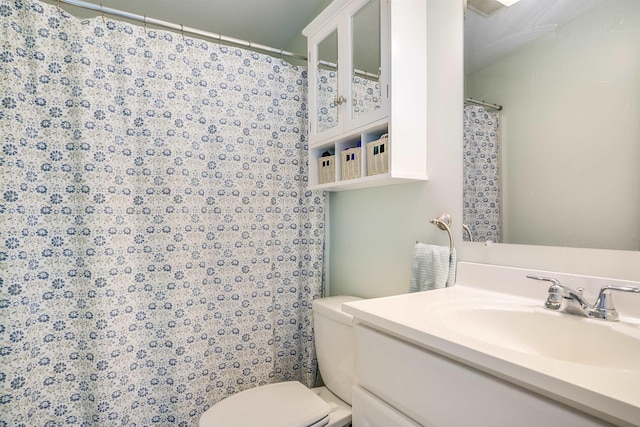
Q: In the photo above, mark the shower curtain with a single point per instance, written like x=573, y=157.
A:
x=158, y=248
x=481, y=168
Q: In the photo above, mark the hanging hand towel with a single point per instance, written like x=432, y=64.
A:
x=433, y=267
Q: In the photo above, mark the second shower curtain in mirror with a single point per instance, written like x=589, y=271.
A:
x=481, y=167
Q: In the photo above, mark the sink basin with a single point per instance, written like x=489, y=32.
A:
x=543, y=333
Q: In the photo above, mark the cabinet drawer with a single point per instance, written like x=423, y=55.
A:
x=369, y=411
x=437, y=391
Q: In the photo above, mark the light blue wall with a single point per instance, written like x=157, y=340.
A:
x=372, y=236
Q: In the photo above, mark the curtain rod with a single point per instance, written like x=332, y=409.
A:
x=179, y=28
x=484, y=104
x=362, y=73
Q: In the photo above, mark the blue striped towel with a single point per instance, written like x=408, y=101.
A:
x=432, y=267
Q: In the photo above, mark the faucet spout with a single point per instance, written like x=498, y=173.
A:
x=564, y=299
x=575, y=303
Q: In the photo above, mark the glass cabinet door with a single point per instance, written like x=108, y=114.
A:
x=328, y=99
x=348, y=83
x=366, y=92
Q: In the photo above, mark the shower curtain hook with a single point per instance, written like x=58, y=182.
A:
x=250, y=46
x=58, y=7
x=281, y=54
x=102, y=12
x=145, y=25
x=182, y=32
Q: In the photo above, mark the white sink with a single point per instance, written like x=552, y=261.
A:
x=540, y=332
x=493, y=320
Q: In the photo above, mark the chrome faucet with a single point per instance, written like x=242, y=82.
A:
x=566, y=300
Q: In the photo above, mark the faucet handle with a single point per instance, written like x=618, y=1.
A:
x=556, y=292
x=555, y=282
x=604, y=308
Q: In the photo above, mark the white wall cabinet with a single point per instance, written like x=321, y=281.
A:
x=348, y=80
x=368, y=77
x=432, y=390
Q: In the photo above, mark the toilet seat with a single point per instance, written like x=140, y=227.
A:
x=287, y=404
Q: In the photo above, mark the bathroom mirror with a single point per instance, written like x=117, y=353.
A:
x=566, y=172
x=365, y=88
x=327, y=82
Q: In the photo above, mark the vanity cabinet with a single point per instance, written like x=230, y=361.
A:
x=398, y=379
x=369, y=62
x=369, y=411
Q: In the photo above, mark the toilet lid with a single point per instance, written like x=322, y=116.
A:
x=287, y=404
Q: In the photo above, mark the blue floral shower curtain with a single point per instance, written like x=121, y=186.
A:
x=158, y=248
x=481, y=166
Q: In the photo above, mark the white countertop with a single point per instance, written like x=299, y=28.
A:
x=608, y=393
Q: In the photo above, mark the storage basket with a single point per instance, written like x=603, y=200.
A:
x=351, y=163
x=326, y=169
x=378, y=156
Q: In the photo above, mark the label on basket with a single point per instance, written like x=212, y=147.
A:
x=326, y=169
x=351, y=163
x=378, y=156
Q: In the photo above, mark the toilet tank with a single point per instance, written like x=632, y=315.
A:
x=335, y=344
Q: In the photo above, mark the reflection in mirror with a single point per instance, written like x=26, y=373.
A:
x=365, y=86
x=327, y=82
x=482, y=204
x=564, y=170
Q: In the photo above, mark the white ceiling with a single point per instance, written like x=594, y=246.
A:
x=273, y=23
x=491, y=38
x=277, y=23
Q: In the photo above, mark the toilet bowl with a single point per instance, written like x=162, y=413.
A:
x=291, y=404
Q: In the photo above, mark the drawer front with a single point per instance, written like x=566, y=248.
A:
x=369, y=411
x=437, y=391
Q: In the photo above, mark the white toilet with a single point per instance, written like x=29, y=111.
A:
x=290, y=404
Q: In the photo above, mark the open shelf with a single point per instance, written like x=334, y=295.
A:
x=346, y=149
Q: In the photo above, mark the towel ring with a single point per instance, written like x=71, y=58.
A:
x=443, y=222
